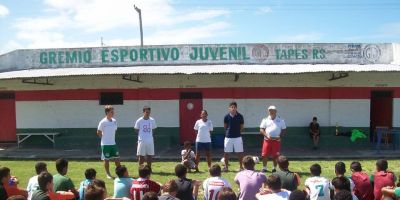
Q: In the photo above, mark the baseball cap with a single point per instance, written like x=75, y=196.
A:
x=272, y=107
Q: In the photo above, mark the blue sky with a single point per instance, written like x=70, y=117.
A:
x=80, y=23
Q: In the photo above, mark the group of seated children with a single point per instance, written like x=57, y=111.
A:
x=281, y=185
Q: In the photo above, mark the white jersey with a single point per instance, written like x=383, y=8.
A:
x=145, y=127
x=319, y=188
x=212, y=186
x=108, y=129
x=203, y=130
x=33, y=185
x=283, y=195
x=273, y=127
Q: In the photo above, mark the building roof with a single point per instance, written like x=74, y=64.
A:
x=200, y=69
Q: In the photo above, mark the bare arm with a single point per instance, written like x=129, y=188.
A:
x=99, y=133
x=263, y=132
x=283, y=133
x=196, y=185
x=388, y=191
x=225, y=126
x=241, y=127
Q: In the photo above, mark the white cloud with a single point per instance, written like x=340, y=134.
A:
x=4, y=11
x=93, y=16
x=264, y=10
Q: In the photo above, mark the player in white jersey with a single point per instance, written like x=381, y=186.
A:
x=106, y=131
x=145, y=126
x=214, y=184
x=317, y=187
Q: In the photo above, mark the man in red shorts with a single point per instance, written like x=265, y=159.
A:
x=272, y=128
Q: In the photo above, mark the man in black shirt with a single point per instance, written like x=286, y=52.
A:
x=187, y=188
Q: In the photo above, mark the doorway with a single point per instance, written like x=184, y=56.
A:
x=381, y=110
x=8, y=126
x=190, y=106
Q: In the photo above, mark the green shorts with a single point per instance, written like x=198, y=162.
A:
x=397, y=192
x=109, y=152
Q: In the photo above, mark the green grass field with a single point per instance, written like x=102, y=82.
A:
x=163, y=171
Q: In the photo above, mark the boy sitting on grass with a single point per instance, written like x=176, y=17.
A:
x=188, y=156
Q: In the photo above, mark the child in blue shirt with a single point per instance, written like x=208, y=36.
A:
x=90, y=175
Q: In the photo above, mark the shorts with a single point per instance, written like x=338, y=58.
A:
x=190, y=162
x=203, y=146
x=109, y=152
x=271, y=148
x=145, y=148
x=233, y=145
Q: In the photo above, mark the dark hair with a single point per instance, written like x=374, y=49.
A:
x=215, y=170
x=120, y=171
x=16, y=197
x=274, y=182
x=226, y=193
x=283, y=162
x=93, y=192
x=99, y=183
x=315, y=169
x=40, y=167
x=356, y=166
x=150, y=196
x=90, y=173
x=4, y=172
x=146, y=108
x=44, y=178
x=186, y=143
x=248, y=162
x=144, y=171
x=343, y=195
x=108, y=108
x=341, y=183
x=340, y=167
x=170, y=186
x=233, y=103
x=297, y=195
x=180, y=170
x=314, y=118
x=381, y=165
x=205, y=111
x=61, y=164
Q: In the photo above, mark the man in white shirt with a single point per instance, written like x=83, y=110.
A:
x=213, y=185
x=203, y=127
x=145, y=126
x=33, y=183
x=106, y=131
x=272, y=128
x=317, y=187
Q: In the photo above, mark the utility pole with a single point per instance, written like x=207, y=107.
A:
x=140, y=24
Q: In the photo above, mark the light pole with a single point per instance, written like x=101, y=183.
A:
x=140, y=24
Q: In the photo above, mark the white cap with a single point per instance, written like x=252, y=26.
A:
x=271, y=107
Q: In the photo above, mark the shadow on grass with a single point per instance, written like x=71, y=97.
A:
x=163, y=173
x=304, y=174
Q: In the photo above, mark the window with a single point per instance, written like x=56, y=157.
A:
x=111, y=98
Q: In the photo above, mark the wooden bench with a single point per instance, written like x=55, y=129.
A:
x=24, y=136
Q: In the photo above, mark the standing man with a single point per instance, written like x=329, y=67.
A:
x=233, y=124
x=272, y=128
x=314, y=132
x=106, y=131
x=203, y=127
x=145, y=126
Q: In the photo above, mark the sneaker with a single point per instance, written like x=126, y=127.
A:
x=264, y=170
x=110, y=177
x=273, y=170
x=225, y=169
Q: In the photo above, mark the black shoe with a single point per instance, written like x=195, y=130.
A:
x=264, y=170
x=273, y=170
